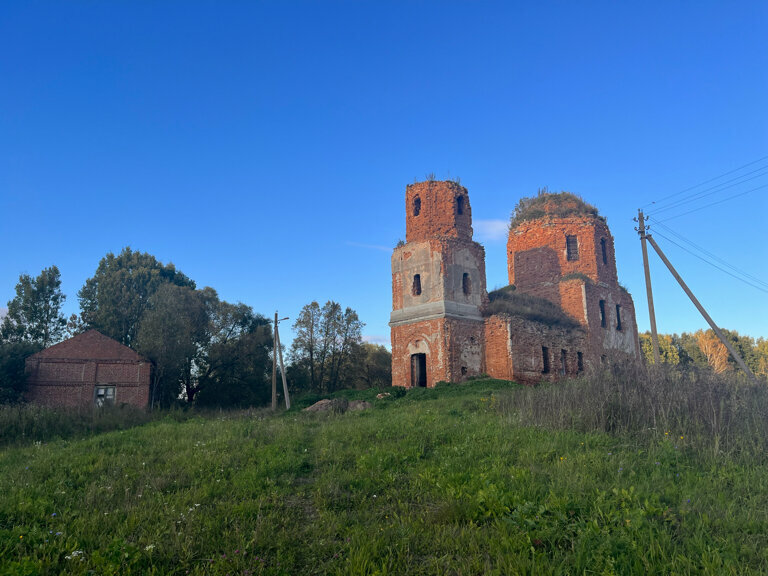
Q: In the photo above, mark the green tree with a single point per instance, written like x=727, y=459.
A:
x=171, y=333
x=13, y=380
x=305, y=346
x=115, y=298
x=667, y=348
x=327, y=342
x=34, y=314
x=234, y=366
x=761, y=351
x=374, y=366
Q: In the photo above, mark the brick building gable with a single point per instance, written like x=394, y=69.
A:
x=90, y=345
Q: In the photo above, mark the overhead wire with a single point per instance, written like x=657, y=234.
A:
x=714, y=203
x=667, y=198
x=669, y=230
x=755, y=286
x=714, y=190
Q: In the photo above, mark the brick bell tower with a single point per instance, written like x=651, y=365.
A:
x=438, y=289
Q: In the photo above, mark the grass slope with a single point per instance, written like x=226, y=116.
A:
x=443, y=481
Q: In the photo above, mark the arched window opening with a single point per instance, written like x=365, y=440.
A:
x=572, y=248
x=605, y=250
x=416, y=206
x=563, y=362
x=416, y=289
x=460, y=205
x=466, y=284
x=545, y=358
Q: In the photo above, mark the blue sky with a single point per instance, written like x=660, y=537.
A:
x=264, y=147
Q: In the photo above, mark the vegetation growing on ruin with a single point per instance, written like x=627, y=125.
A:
x=621, y=472
x=576, y=276
x=508, y=301
x=553, y=205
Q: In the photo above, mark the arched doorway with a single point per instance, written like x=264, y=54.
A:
x=419, y=370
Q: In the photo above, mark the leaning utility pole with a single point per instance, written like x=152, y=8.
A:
x=277, y=350
x=651, y=312
x=700, y=308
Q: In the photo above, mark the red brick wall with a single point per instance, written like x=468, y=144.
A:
x=438, y=215
x=513, y=349
x=72, y=383
x=425, y=337
x=537, y=262
x=608, y=338
x=449, y=345
x=536, y=250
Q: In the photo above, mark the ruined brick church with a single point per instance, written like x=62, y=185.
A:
x=563, y=312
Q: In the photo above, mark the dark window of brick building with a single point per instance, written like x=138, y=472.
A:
x=416, y=290
x=602, y=313
x=618, y=317
x=460, y=205
x=466, y=284
x=563, y=362
x=104, y=395
x=605, y=250
x=416, y=206
x=572, y=247
x=580, y=361
x=545, y=357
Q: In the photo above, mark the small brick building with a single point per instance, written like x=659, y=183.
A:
x=442, y=328
x=89, y=369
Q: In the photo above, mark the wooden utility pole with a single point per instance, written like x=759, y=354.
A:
x=703, y=312
x=282, y=370
x=274, y=367
x=651, y=312
x=277, y=350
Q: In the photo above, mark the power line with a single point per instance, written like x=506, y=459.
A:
x=710, y=255
x=713, y=203
x=756, y=287
x=706, y=182
x=715, y=189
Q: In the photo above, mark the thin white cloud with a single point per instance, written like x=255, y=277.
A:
x=371, y=246
x=490, y=230
x=376, y=339
x=3, y=312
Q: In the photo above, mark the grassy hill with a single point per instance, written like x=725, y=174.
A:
x=480, y=478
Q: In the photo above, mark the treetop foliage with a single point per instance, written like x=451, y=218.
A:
x=551, y=205
x=702, y=348
x=327, y=352
x=34, y=314
x=114, y=299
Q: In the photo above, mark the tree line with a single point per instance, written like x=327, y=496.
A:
x=203, y=349
x=704, y=348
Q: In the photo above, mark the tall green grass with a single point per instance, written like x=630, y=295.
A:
x=715, y=412
x=462, y=479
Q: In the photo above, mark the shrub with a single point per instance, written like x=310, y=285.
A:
x=548, y=204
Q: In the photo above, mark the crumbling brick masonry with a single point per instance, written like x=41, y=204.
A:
x=442, y=327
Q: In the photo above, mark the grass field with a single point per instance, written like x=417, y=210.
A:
x=462, y=479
